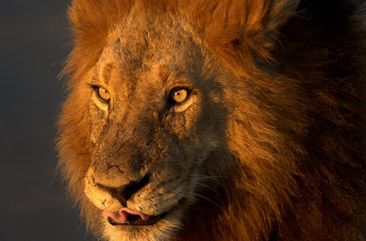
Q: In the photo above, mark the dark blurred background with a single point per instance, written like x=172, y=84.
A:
x=34, y=43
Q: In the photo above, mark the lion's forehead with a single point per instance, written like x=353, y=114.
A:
x=140, y=48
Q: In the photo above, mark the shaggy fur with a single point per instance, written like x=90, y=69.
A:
x=274, y=140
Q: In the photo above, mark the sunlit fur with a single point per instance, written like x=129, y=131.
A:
x=286, y=160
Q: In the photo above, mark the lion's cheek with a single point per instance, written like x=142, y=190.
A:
x=97, y=119
x=102, y=199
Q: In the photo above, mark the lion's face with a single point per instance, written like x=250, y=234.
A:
x=148, y=99
x=161, y=124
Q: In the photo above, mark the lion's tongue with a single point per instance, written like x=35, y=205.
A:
x=121, y=216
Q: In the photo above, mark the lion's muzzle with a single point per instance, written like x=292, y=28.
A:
x=112, y=202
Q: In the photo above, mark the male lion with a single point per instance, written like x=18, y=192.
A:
x=217, y=119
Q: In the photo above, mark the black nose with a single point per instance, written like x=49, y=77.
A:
x=125, y=192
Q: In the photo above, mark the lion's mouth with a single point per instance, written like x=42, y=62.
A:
x=136, y=220
x=130, y=217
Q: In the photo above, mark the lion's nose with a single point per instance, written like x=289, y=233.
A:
x=125, y=192
x=111, y=197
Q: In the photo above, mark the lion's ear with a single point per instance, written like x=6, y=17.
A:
x=233, y=28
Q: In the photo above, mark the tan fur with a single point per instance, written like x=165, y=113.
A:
x=269, y=148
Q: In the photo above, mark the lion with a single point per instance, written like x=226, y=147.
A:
x=222, y=120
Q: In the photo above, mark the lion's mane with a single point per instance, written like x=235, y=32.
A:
x=299, y=172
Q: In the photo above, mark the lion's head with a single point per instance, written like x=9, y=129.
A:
x=178, y=126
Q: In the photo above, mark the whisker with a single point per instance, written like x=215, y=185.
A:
x=208, y=199
x=206, y=186
x=202, y=177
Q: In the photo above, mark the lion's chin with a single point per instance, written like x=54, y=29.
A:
x=163, y=230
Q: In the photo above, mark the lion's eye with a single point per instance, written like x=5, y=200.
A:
x=179, y=95
x=103, y=94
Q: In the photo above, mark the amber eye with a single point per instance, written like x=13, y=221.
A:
x=103, y=94
x=179, y=95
